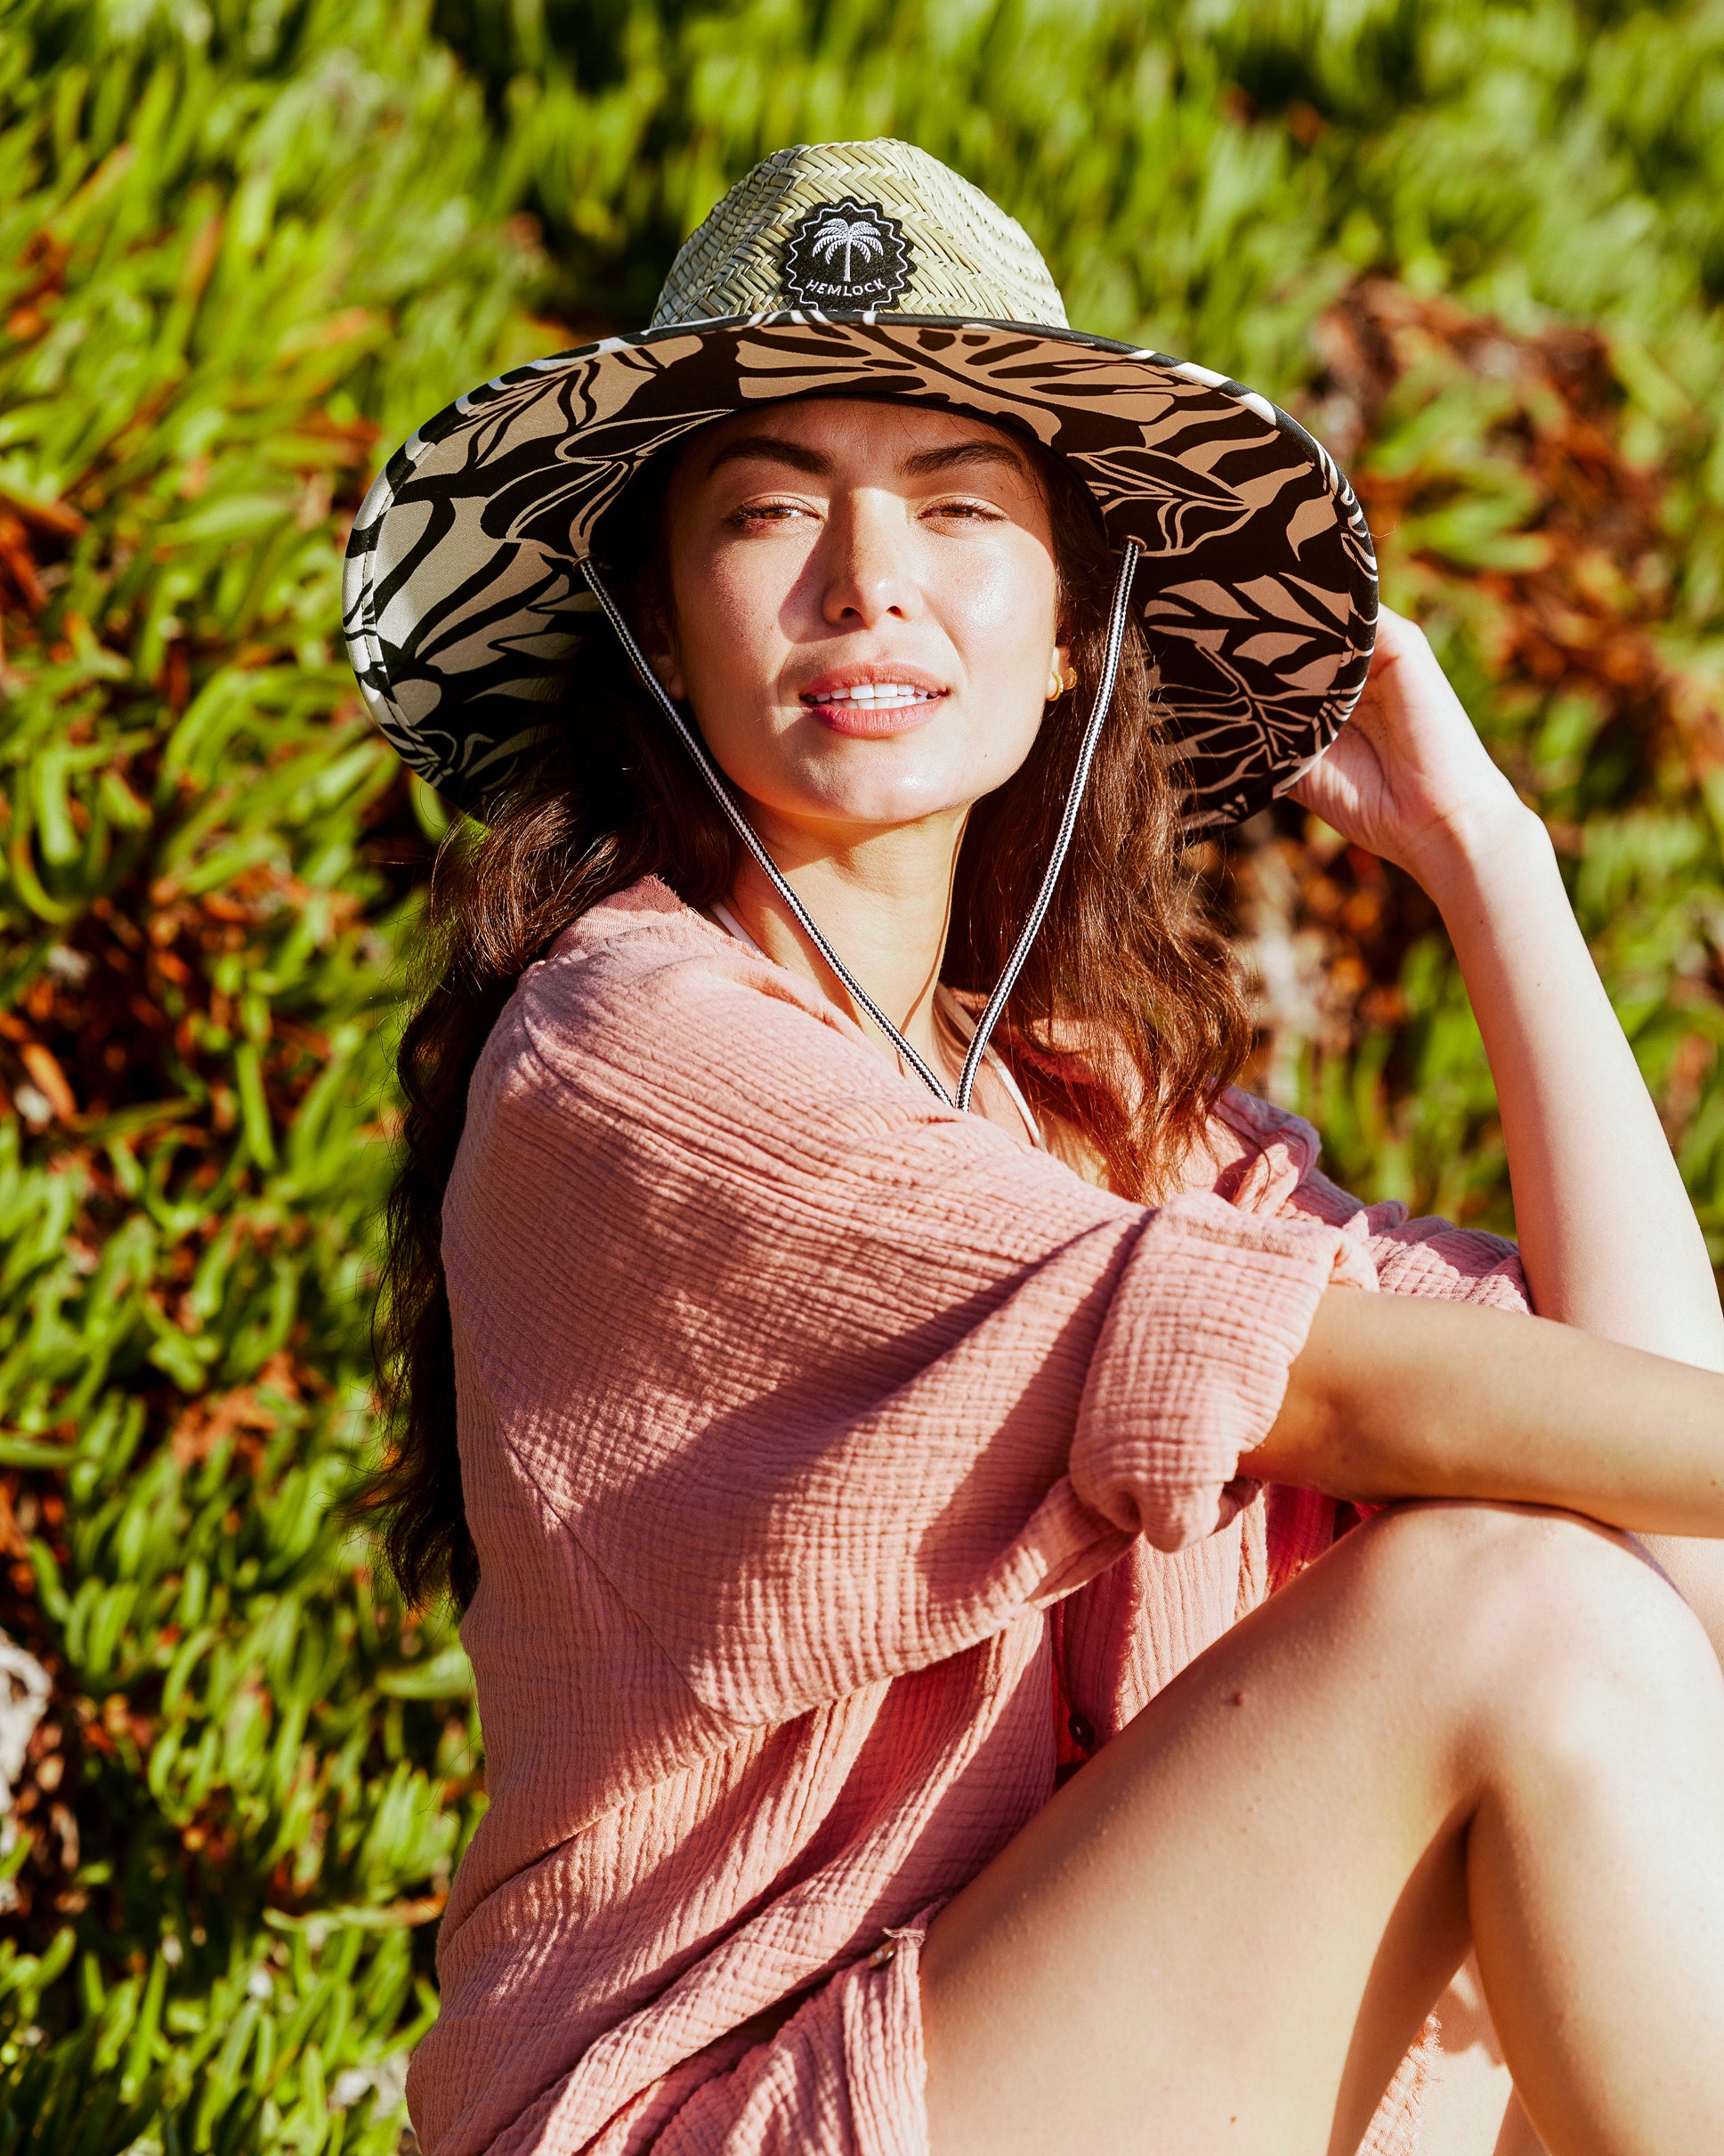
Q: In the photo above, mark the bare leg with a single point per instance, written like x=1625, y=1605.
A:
x=1469, y=2090
x=1466, y=1723
x=1697, y=1567
x=1472, y=2109
x=1469, y=2107
x=1518, y=2138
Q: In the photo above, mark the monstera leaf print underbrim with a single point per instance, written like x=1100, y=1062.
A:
x=464, y=602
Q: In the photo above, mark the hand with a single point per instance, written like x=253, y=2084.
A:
x=1408, y=777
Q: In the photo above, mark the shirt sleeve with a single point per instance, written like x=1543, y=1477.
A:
x=828, y=1381
x=1427, y=1256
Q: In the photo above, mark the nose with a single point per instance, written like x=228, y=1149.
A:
x=866, y=570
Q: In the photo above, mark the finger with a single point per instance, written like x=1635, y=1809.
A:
x=1397, y=638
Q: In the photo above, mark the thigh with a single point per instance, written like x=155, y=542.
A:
x=1468, y=2106
x=1224, y=1932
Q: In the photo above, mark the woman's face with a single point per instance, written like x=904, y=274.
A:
x=863, y=611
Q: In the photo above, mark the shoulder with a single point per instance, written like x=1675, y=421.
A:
x=643, y=962
x=641, y=950
x=1265, y=1159
x=646, y=1028
x=642, y=991
x=1254, y=1155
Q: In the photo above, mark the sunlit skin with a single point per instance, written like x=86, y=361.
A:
x=815, y=546
x=1482, y=1723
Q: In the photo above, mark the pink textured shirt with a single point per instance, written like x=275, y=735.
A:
x=803, y=1421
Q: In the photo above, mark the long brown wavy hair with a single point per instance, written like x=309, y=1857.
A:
x=1127, y=1020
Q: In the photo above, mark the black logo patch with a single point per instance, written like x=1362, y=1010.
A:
x=845, y=256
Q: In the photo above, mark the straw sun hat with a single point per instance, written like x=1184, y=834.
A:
x=865, y=269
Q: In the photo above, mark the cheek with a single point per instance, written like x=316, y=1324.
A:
x=732, y=647
x=1000, y=615
x=729, y=616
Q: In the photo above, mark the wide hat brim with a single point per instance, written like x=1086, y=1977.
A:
x=463, y=605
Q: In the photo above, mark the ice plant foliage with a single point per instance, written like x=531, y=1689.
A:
x=239, y=1807
x=243, y=250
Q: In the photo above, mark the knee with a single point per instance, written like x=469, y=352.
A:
x=1548, y=1627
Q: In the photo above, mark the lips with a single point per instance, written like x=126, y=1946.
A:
x=874, y=693
x=875, y=697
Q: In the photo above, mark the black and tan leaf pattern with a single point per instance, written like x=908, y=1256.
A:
x=464, y=601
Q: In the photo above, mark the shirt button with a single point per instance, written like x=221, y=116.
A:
x=1082, y=1732
x=882, y=1956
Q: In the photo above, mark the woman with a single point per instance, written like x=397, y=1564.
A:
x=928, y=1704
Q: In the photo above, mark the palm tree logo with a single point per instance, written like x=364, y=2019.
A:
x=859, y=235
x=846, y=254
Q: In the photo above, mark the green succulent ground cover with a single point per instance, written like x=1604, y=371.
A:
x=245, y=246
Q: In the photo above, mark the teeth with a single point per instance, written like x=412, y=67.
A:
x=879, y=692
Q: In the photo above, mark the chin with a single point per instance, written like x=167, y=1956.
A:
x=881, y=800
x=870, y=809
x=891, y=783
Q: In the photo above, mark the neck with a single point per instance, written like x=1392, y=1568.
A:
x=883, y=898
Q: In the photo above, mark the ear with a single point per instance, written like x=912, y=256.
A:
x=658, y=641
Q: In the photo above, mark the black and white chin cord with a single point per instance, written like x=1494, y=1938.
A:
x=744, y=830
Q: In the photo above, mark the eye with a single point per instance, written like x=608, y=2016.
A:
x=763, y=515
x=964, y=510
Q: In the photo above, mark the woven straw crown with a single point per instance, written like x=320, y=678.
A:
x=862, y=270
x=966, y=257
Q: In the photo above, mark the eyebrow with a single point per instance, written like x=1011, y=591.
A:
x=926, y=463
x=771, y=449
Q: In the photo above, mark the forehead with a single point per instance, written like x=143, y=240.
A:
x=850, y=429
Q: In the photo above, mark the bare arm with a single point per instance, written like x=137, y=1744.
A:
x=1396, y=1397
x=1608, y=1239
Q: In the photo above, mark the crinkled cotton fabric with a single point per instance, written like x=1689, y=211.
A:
x=814, y=1439
x=848, y=2071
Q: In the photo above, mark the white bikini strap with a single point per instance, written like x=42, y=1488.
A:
x=946, y=1002
x=730, y=924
